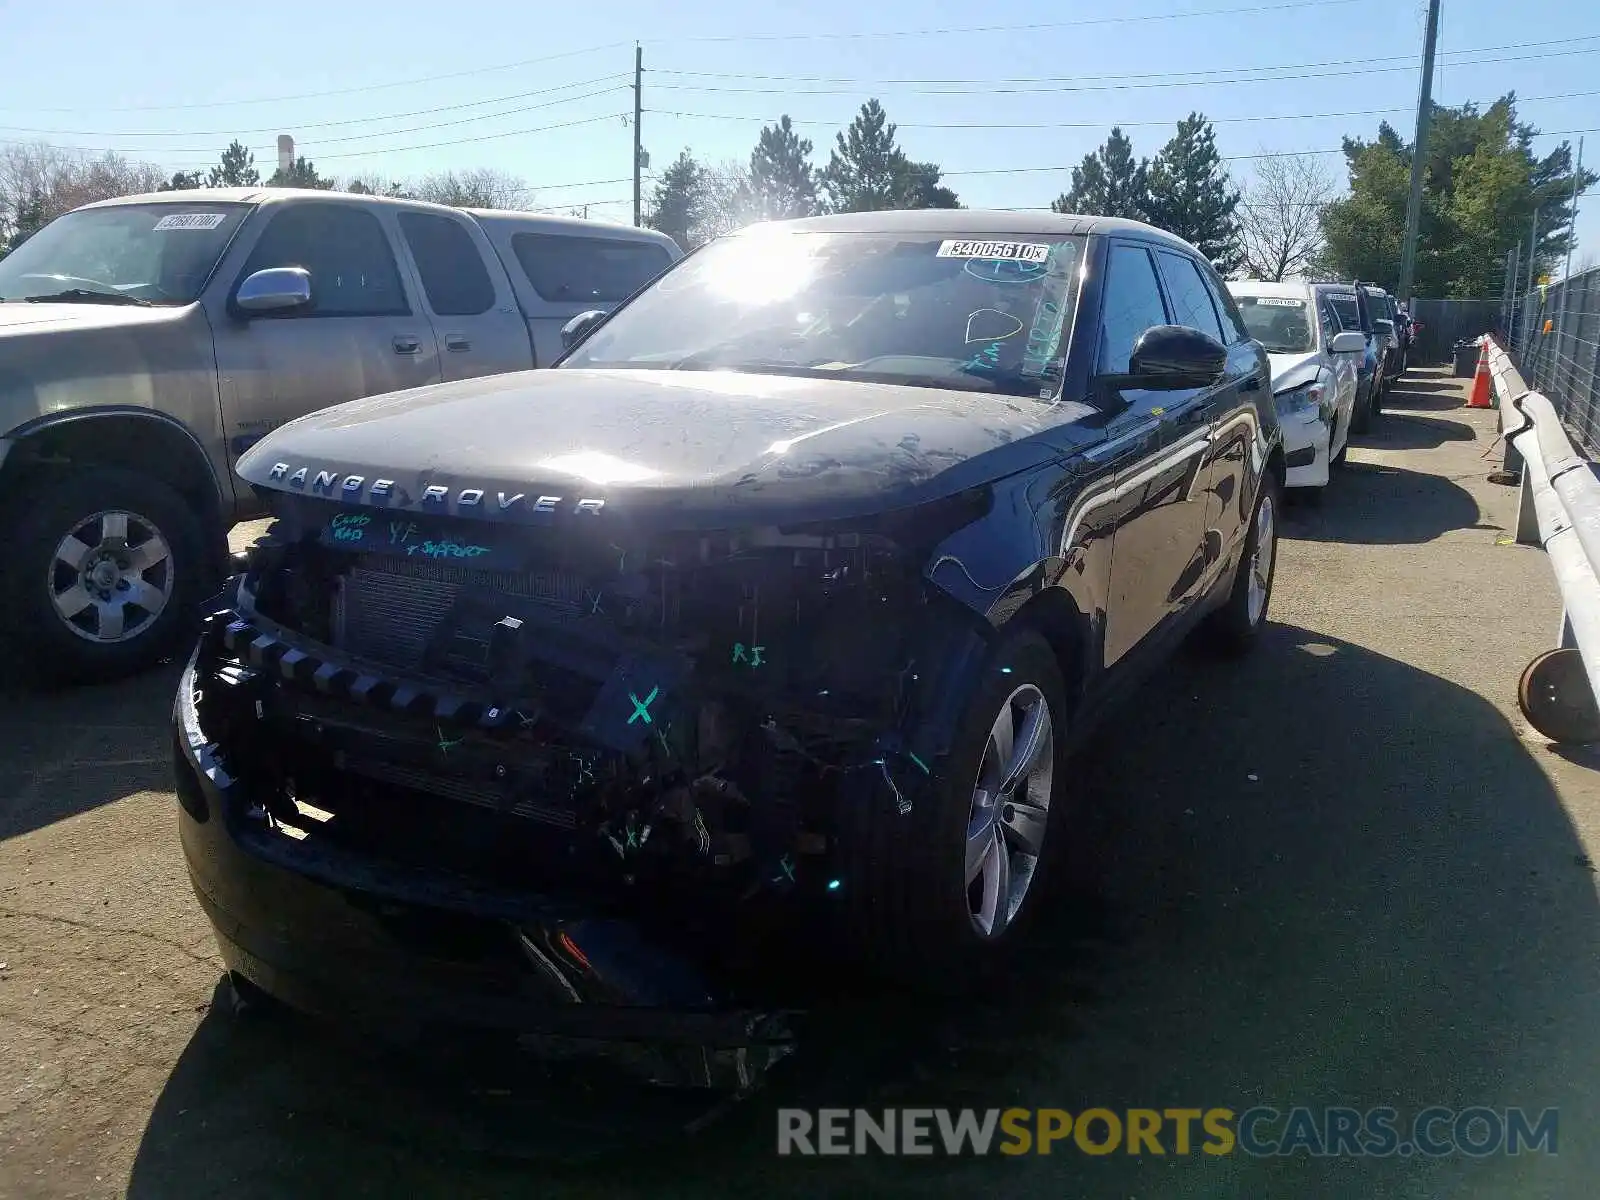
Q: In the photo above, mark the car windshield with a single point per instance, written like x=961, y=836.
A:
x=123, y=254
x=925, y=309
x=1280, y=323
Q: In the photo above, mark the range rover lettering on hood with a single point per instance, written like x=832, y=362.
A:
x=355, y=488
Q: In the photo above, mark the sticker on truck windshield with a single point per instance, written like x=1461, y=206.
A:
x=1028, y=252
x=191, y=220
x=1278, y=302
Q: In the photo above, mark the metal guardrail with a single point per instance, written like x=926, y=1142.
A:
x=1558, y=508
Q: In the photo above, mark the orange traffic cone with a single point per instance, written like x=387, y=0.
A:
x=1480, y=394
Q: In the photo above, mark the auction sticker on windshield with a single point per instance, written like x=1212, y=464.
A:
x=1278, y=302
x=1028, y=252
x=208, y=220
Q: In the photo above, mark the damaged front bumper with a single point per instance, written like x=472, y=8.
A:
x=404, y=950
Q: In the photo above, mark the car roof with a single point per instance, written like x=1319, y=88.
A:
x=571, y=226
x=976, y=222
x=1259, y=287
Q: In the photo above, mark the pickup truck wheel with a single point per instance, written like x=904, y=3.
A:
x=1236, y=626
x=106, y=573
x=942, y=893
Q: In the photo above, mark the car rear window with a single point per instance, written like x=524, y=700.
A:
x=584, y=269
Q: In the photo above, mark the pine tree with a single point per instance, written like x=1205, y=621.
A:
x=1108, y=183
x=182, y=181
x=868, y=172
x=678, y=207
x=1191, y=196
x=299, y=174
x=783, y=183
x=237, y=168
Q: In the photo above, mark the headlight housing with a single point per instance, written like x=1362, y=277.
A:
x=1315, y=395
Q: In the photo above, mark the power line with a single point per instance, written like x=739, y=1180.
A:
x=267, y=151
x=298, y=125
x=989, y=89
x=1025, y=28
x=1368, y=112
x=350, y=91
x=1120, y=75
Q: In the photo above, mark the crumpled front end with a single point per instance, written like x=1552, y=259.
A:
x=607, y=767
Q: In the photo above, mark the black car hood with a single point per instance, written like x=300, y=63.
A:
x=706, y=446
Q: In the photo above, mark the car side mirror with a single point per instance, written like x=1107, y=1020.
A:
x=1348, y=342
x=1384, y=327
x=1170, y=357
x=580, y=327
x=277, y=289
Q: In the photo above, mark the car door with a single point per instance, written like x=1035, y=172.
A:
x=473, y=313
x=1231, y=459
x=1345, y=368
x=1158, y=440
x=363, y=333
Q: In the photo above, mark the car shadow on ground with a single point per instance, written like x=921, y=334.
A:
x=1374, y=504
x=1302, y=890
x=1412, y=431
x=67, y=751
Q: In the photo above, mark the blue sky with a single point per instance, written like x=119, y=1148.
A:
x=172, y=82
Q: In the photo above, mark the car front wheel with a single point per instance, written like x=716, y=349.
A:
x=106, y=569
x=943, y=892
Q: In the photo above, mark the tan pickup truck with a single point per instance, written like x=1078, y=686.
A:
x=147, y=342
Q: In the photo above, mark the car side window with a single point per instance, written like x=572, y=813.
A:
x=353, y=272
x=453, y=275
x=1191, y=300
x=1233, y=328
x=1131, y=304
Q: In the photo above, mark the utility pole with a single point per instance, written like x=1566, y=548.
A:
x=638, y=144
x=1419, y=154
x=1566, y=271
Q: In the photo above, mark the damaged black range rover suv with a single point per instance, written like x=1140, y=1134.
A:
x=793, y=583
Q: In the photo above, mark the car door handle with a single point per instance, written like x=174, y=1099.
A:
x=1198, y=415
x=456, y=342
x=406, y=344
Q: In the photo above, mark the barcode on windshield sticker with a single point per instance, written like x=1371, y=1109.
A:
x=1279, y=302
x=1028, y=252
x=191, y=221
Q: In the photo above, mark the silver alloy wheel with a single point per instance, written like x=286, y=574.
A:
x=1010, y=806
x=111, y=577
x=1261, y=560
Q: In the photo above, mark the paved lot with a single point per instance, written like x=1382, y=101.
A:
x=1340, y=873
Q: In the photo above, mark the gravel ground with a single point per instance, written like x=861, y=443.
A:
x=1339, y=873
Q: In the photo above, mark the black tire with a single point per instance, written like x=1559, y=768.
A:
x=1361, y=417
x=1235, y=628
x=911, y=916
x=49, y=649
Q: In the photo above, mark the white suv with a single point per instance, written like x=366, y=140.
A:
x=1314, y=371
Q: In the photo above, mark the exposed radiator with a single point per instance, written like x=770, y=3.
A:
x=387, y=610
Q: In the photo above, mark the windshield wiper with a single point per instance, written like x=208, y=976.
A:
x=87, y=296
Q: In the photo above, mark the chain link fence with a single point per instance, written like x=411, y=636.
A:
x=1554, y=333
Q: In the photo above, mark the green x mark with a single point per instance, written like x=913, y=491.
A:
x=445, y=743
x=641, y=708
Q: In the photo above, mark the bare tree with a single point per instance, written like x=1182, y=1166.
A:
x=730, y=201
x=480, y=187
x=39, y=182
x=1280, y=218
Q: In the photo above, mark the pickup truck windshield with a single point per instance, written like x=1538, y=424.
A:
x=1344, y=307
x=924, y=309
x=126, y=253
x=1280, y=323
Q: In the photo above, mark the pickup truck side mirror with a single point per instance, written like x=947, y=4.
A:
x=575, y=330
x=1385, y=327
x=1170, y=357
x=1349, y=342
x=277, y=289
